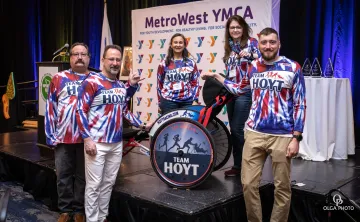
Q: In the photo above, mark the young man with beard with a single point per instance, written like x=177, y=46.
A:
x=102, y=104
x=62, y=132
x=274, y=126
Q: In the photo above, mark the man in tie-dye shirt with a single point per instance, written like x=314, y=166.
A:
x=274, y=126
x=62, y=132
x=102, y=104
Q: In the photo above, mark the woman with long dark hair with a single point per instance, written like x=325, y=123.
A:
x=240, y=49
x=177, y=77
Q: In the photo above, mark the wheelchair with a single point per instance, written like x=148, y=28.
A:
x=188, y=144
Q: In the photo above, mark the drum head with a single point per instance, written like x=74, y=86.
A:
x=182, y=153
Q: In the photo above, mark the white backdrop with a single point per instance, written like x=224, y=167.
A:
x=203, y=24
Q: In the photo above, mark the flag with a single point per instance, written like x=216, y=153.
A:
x=105, y=35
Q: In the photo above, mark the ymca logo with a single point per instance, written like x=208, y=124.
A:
x=138, y=114
x=199, y=56
x=212, y=40
x=138, y=89
x=212, y=57
x=138, y=100
x=140, y=71
x=140, y=57
x=149, y=72
x=148, y=103
x=151, y=43
x=140, y=43
x=162, y=56
x=162, y=43
x=212, y=70
x=151, y=56
x=224, y=110
x=148, y=87
x=148, y=116
x=187, y=41
x=200, y=41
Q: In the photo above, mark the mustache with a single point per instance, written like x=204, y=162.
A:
x=79, y=61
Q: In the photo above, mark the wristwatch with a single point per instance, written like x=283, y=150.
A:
x=298, y=137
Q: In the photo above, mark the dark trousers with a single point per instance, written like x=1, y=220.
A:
x=69, y=164
x=167, y=105
x=238, y=112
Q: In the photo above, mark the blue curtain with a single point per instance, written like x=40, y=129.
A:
x=324, y=29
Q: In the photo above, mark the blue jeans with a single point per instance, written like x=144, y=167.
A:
x=238, y=112
x=167, y=105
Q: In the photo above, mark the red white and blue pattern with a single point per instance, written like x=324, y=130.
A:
x=102, y=104
x=60, y=122
x=278, y=96
x=238, y=64
x=179, y=81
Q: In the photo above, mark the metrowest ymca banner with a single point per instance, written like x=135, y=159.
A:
x=203, y=24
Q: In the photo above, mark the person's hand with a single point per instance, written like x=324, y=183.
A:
x=205, y=75
x=194, y=103
x=293, y=148
x=243, y=54
x=134, y=77
x=148, y=126
x=90, y=147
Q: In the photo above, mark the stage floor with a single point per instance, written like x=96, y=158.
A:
x=139, y=195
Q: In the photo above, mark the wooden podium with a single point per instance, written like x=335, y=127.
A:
x=46, y=71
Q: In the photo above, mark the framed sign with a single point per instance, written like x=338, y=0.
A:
x=126, y=63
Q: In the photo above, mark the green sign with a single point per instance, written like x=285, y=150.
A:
x=44, y=85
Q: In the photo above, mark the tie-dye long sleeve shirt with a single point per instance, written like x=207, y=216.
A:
x=278, y=96
x=60, y=122
x=102, y=104
x=236, y=67
x=179, y=81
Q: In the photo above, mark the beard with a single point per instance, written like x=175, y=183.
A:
x=268, y=55
x=113, y=70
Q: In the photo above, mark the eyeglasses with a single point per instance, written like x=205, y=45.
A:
x=113, y=59
x=235, y=27
x=79, y=54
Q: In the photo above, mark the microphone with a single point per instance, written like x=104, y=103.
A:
x=59, y=50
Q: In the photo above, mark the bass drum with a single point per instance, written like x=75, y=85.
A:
x=182, y=153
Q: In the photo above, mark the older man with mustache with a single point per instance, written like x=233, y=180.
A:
x=274, y=125
x=62, y=132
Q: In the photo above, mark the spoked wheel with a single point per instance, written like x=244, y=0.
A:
x=221, y=136
x=182, y=153
x=222, y=139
